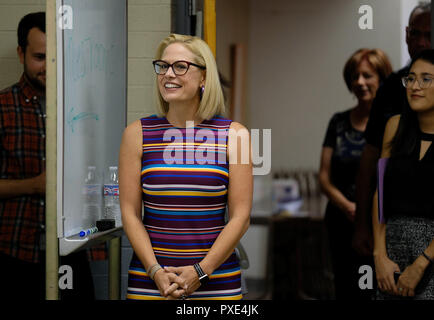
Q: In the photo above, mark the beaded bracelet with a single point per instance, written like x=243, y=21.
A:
x=426, y=257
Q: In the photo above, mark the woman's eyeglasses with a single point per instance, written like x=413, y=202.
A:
x=179, y=67
x=409, y=81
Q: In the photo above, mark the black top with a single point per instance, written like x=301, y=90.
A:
x=389, y=101
x=347, y=144
x=426, y=136
x=409, y=184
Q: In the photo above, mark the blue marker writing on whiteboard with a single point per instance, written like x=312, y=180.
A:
x=88, y=231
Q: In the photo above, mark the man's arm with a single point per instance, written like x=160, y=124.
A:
x=15, y=188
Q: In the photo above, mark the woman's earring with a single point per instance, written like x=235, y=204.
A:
x=202, y=90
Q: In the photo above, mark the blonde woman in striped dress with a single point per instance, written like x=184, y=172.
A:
x=185, y=165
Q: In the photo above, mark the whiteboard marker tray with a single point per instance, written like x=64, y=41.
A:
x=76, y=243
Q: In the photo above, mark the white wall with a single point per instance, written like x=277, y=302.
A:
x=232, y=27
x=297, y=50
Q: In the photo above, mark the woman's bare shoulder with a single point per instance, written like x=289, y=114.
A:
x=389, y=133
x=237, y=126
x=392, y=126
x=132, y=136
x=133, y=128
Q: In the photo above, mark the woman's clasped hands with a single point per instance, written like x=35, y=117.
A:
x=407, y=281
x=177, y=282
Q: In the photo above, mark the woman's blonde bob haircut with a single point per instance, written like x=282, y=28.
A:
x=212, y=102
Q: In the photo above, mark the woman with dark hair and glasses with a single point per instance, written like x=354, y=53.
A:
x=340, y=157
x=184, y=164
x=404, y=231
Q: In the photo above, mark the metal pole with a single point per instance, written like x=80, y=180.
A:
x=52, y=245
x=114, y=268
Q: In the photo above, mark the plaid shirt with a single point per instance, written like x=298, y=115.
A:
x=22, y=155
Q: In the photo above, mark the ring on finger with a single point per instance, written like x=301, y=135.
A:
x=183, y=297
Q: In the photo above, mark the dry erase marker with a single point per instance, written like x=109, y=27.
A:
x=88, y=231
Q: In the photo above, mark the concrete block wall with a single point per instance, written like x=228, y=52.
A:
x=149, y=21
x=11, y=11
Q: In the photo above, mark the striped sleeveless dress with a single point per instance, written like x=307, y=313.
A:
x=185, y=181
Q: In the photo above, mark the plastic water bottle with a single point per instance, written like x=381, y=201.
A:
x=92, y=194
x=111, y=196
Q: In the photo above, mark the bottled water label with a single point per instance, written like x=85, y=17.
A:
x=111, y=203
x=111, y=196
x=111, y=190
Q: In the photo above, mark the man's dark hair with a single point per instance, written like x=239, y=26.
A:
x=32, y=20
x=424, y=7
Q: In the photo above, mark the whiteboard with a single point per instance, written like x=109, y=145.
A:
x=92, y=82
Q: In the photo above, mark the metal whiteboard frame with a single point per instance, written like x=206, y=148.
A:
x=60, y=120
x=71, y=244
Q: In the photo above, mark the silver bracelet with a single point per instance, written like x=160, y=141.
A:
x=153, y=270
